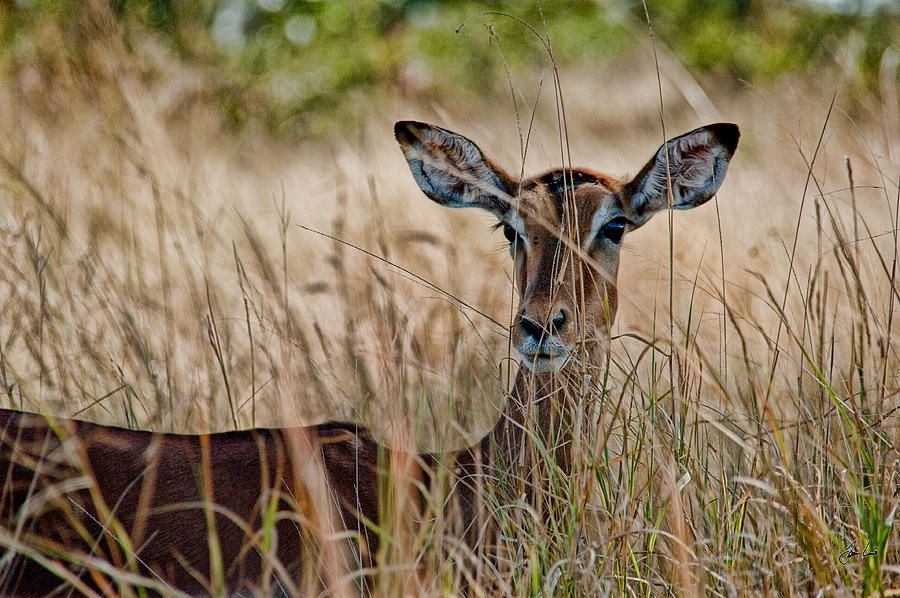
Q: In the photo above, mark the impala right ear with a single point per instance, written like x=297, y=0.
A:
x=451, y=170
x=691, y=166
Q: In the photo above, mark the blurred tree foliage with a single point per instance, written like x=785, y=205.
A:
x=295, y=64
x=757, y=40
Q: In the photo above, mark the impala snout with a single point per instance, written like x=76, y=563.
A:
x=541, y=340
x=533, y=328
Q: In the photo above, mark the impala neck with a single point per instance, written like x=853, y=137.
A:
x=539, y=406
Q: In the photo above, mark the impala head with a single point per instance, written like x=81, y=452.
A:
x=565, y=227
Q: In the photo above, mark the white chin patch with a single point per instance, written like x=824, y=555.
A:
x=543, y=365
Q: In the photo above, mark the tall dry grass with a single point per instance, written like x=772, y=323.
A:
x=155, y=273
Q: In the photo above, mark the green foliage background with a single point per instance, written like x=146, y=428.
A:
x=297, y=66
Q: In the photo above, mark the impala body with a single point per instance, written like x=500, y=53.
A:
x=231, y=512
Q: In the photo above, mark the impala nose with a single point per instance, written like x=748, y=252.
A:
x=538, y=331
x=558, y=321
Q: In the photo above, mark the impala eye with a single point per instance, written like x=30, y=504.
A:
x=511, y=234
x=613, y=230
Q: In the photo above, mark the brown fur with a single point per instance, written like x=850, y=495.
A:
x=169, y=528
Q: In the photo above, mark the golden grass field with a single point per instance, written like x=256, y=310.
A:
x=155, y=273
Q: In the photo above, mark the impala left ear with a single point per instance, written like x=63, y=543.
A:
x=452, y=170
x=697, y=162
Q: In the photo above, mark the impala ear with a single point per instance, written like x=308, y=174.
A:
x=451, y=170
x=697, y=162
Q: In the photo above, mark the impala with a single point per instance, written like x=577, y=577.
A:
x=224, y=513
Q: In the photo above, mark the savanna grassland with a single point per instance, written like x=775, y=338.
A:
x=169, y=262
